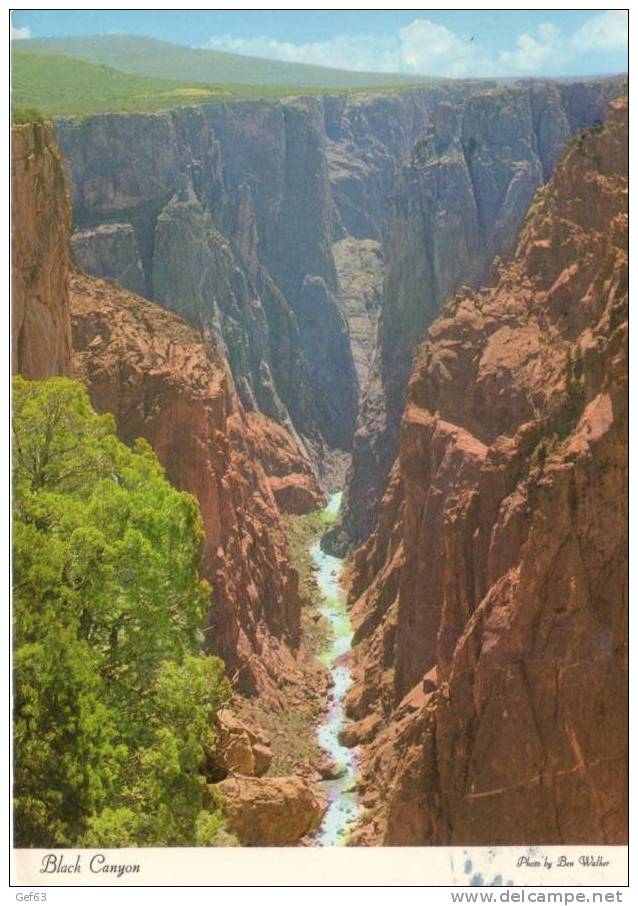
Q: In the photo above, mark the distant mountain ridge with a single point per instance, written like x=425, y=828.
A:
x=151, y=57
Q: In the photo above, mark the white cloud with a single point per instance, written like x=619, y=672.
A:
x=533, y=54
x=357, y=52
x=606, y=31
x=424, y=48
x=20, y=34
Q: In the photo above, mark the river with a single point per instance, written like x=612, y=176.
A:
x=343, y=805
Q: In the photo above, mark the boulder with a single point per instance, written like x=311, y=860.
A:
x=240, y=749
x=270, y=811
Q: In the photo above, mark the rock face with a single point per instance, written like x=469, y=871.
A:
x=164, y=383
x=111, y=251
x=168, y=383
x=218, y=199
x=290, y=474
x=359, y=265
x=233, y=210
x=459, y=202
x=239, y=749
x=490, y=601
x=41, y=222
x=270, y=811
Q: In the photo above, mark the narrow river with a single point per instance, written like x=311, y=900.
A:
x=342, y=798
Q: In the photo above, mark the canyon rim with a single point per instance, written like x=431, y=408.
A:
x=320, y=453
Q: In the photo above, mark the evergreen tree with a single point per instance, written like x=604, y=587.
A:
x=113, y=695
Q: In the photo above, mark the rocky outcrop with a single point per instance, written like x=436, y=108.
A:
x=218, y=198
x=359, y=266
x=490, y=602
x=163, y=382
x=170, y=384
x=111, y=251
x=239, y=749
x=459, y=202
x=290, y=474
x=40, y=225
x=269, y=811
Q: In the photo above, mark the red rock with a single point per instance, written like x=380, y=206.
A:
x=41, y=225
x=162, y=382
x=270, y=811
x=239, y=749
x=500, y=555
x=290, y=473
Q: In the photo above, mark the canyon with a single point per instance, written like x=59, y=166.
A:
x=249, y=219
x=245, y=286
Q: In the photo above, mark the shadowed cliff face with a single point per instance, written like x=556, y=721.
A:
x=227, y=214
x=458, y=203
x=490, y=602
x=40, y=226
x=227, y=210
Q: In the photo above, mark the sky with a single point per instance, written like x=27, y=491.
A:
x=451, y=43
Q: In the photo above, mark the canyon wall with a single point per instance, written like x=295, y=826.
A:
x=248, y=218
x=490, y=602
x=161, y=382
x=169, y=383
x=228, y=213
x=458, y=202
x=40, y=227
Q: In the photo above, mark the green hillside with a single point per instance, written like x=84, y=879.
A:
x=160, y=59
x=58, y=85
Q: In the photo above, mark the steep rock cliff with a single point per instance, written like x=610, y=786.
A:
x=359, y=266
x=110, y=251
x=490, y=602
x=164, y=383
x=290, y=474
x=459, y=202
x=218, y=200
x=233, y=210
x=40, y=225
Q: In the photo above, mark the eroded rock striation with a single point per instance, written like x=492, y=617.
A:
x=490, y=601
x=290, y=474
x=40, y=222
x=359, y=266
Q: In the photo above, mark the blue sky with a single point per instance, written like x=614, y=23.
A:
x=425, y=42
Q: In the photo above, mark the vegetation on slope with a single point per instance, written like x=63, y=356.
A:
x=21, y=116
x=161, y=59
x=113, y=695
x=61, y=85
x=292, y=730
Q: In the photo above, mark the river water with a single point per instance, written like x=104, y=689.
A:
x=343, y=806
